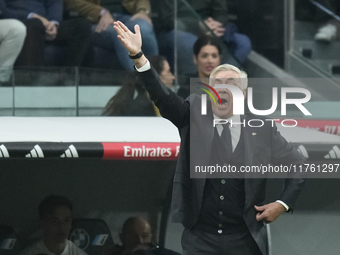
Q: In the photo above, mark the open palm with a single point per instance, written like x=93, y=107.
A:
x=131, y=41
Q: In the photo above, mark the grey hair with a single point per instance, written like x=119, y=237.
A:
x=226, y=67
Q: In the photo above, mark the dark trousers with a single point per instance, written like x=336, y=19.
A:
x=197, y=242
x=73, y=33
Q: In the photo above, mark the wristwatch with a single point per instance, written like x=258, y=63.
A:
x=138, y=55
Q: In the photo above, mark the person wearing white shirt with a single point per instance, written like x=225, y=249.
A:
x=55, y=214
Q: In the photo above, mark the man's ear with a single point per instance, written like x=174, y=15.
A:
x=195, y=59
x=244, y=93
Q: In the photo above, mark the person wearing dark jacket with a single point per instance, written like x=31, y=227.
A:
x=44, y=22
x=223, y=213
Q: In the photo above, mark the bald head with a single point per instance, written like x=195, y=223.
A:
x=136, y=231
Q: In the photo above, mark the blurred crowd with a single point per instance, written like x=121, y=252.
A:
x=82, y=34
x=35, y=33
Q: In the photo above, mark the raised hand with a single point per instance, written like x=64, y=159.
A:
x=131, y=41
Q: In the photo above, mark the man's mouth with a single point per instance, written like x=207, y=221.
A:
x=224, y=101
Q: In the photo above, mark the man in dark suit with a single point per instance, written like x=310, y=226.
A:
x=227, y=215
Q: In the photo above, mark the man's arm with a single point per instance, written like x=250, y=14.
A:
x=285, y=154
x=89, y=9
x=170, y=105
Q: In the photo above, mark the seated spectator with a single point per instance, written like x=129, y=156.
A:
x=136, y=238
x=12, y=36
x=55, y=214
x=162, y=67
x=214, y=16
x=130, y=12
x=43, y=20
x=330, y=28
x=124, y=102
x=207, y=56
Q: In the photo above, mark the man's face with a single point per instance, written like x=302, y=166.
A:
x=139, y=234
x=57, y=225
x=225, y=110
x=166, y=76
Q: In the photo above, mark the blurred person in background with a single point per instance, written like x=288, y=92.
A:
x=137, y=238
x=43, y=19
x=12, y=36
x=212, y=18
x=104, y=12
x=55, y=213
x=207, y=56
x=132, y=99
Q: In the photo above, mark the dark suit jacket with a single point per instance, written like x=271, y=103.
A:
x=268, y=146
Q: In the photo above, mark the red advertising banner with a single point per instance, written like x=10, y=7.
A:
x=141, y=151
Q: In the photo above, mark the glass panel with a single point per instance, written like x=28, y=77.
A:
x=316, y=42
x=45, y=91
x=6, y=91
x=96, y=87
x=191, y=20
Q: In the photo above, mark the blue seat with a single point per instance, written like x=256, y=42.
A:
x=91, y=235
x=8, y=241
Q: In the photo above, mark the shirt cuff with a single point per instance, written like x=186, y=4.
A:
x=284, y=204
x=56, y=22
x=30, y=15
x=144, y=68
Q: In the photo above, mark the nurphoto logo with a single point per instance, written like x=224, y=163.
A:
x=238, y=102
